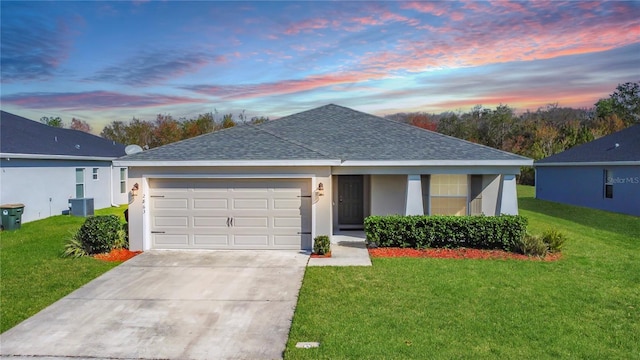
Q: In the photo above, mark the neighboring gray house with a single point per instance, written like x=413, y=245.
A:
x=602, y=174
x=43, y=167
x=279, y=184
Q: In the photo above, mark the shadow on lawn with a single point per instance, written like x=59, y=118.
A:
x=626, y=225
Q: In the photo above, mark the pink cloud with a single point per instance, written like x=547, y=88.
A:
x=93, y=100
x=433, y=8
x=306, y=25
x=283, y=87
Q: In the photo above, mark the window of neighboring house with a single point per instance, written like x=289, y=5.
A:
x=449, y=194
x=79, y=183
x=123, y=180
x=95, y=173
x=608, y=184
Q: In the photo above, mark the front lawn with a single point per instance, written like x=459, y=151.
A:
x=586, y=305
x=32, y=273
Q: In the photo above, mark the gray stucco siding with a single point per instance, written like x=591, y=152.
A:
x=584, y=186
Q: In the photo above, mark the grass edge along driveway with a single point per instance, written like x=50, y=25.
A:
x=586, y=305
x=32, y=273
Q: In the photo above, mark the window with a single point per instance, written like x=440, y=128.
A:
x=608, y=184
x=95, y=173
x=123, y=180
x=79, y=183
x=449, y=194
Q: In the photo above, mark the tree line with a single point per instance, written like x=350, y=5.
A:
x=535, y=134
x=165, y=129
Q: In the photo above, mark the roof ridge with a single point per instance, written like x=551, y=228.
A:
x=259, y=128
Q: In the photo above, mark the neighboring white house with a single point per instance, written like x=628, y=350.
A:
x=43, y=167
x=279, y=184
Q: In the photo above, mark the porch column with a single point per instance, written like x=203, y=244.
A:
x=508, y=196
x=414, y=196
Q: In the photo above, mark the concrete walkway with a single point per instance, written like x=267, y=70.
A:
x=347, y=249
x=171, y=305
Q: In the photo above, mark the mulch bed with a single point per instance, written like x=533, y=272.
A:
x=460, y=253
x=117, y=255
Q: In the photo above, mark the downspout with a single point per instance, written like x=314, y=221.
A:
x=111, y=185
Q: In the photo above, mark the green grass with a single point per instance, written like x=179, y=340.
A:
x=32, y=273
x=586, y=305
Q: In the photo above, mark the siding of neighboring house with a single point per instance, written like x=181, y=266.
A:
x=585, y=186
x=45, y=186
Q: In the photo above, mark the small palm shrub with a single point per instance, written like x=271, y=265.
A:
x=74, y=248
x=554, y=239
x=531, y=245
x=321, y=245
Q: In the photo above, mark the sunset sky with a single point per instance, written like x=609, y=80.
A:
x=106, y=61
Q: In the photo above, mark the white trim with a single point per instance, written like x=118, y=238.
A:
x=9, y=156
x=252, y=163
x=591, y=163
x=228, y=176
x=524, y=162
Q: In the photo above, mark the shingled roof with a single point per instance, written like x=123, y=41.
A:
x=331, y=133
x=621, y=146
x=24, y=137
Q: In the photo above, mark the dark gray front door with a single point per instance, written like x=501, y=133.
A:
x=350, y=200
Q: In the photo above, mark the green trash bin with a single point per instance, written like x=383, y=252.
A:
x=11, y=216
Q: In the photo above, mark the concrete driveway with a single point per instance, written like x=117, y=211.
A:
x=171, y=305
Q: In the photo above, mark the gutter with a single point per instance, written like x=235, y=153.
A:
x=10, y=156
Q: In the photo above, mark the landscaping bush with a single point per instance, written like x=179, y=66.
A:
x=74, y=248
x=100, y=234
x=321, y=245
x=554, y=239
x=422, y=231
x=532, y=245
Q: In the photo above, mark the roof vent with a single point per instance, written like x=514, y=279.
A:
x=55, y=138
x=617, y=145
x=78, y=146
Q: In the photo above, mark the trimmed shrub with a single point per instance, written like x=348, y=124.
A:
x=554, y=239
x=532, y=245
x=422, y=231
x=100, y=234
x=321, y=245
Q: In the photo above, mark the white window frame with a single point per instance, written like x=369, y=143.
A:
x=432, y=192
x=94, y=173
x=80, y=182
x=123, y=180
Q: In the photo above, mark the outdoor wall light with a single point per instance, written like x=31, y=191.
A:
x=134, y=189
x=320, y=189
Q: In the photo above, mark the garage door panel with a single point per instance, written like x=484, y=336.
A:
x=287, y=204
x=210, y=222
x=250, y=204
x=213, y=204
x=261, y=222
x=162, y=203
x=251, y=240
x=171, y=240
x=210, y=240
x=171, y=221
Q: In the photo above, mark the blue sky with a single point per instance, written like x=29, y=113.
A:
x=114, y=60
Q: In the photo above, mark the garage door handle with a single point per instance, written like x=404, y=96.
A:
x=158, y=196
x=232, y=222
x=228, y=219
x=157, y=232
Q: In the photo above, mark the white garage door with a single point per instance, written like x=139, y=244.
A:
x=230, y=214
